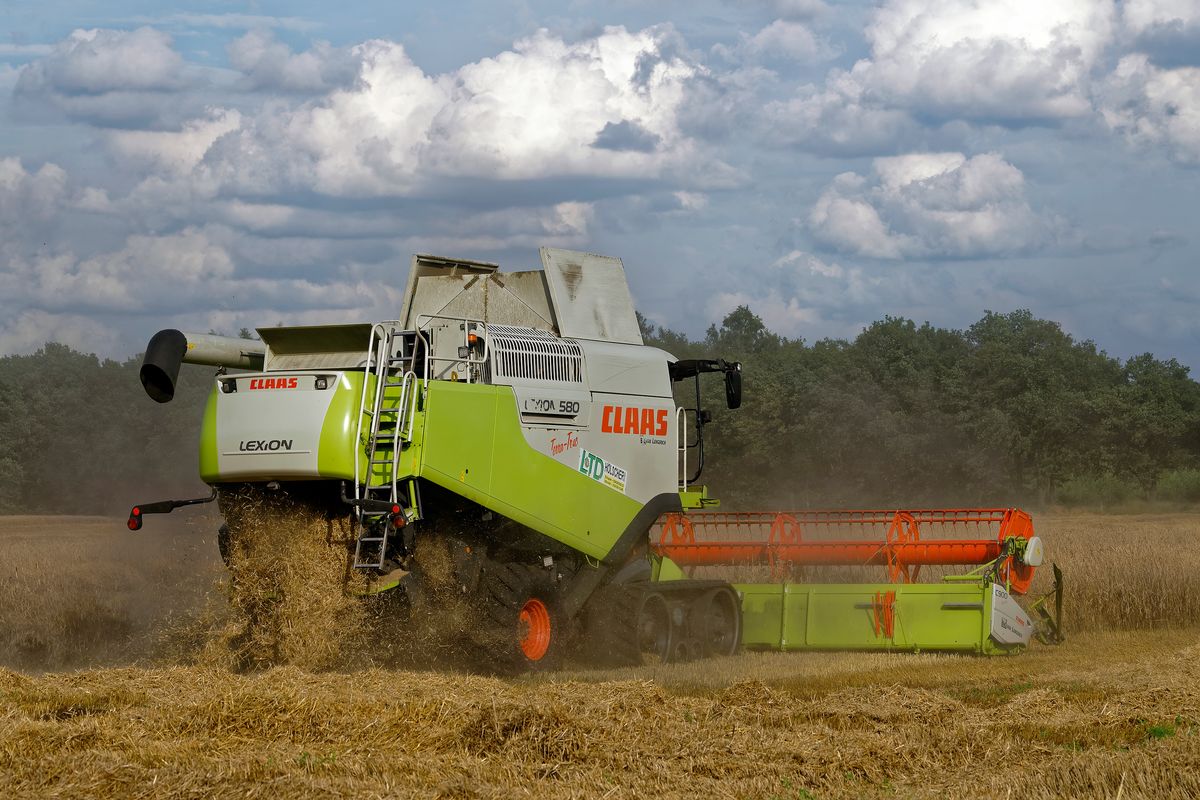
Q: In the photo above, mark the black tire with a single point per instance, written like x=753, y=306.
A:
x=628, y=626
x=521, y=627
x=656, y=638
x=716, y=623
x=609, y=628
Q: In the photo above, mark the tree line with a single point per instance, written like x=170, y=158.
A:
x=1012, y=410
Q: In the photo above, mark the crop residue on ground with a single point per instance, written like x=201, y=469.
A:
x=1114, y=711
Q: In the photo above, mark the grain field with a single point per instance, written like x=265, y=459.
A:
x=100, y=696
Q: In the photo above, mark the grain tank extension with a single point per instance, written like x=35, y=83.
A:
x=516, y=424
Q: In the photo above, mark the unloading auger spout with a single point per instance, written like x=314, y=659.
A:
x=169, y=348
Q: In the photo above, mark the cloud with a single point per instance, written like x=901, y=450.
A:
x=931, y=205
x=799, y=293
x=796, y=9
x=99, y=61
x=269, y=64
x=545, y=109
x=27, y=330
x=537, y=109
x=979, y=59
x=938, y=60
x=32, y=203
x=172, y=273
x=837, y=119
x=11, y=49
x=29, y=196
x=561, y=225
x=1161, y=17
x=626, y=135
x=107, y=77
x=172, y=152
x=235, y=21
x=782, y=40
x=1152, y=106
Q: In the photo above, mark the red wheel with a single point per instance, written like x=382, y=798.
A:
x=536, y=630
x=522, y=626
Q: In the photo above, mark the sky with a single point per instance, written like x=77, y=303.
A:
x=230, y=164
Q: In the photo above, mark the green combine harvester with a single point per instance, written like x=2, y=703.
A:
x=519, y=420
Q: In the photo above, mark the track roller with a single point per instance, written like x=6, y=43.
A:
x=715, y=622
x=643, y=623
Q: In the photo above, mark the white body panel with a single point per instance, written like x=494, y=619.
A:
x=1010, y=624
x=289, y=450
x=629, y=445
x=626, y=369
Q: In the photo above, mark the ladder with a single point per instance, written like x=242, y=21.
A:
x=388, y=417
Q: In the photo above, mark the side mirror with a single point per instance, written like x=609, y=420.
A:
x=733, y=386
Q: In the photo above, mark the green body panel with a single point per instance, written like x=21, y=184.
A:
x=209, y=471
x=697, y=497
x=927, y=616
x=664, y=569
x=336, y=448
x=471, y=443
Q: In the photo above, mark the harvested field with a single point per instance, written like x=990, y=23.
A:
x=1114, y=712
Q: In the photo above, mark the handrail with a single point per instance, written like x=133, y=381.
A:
x=405, y=385
x=481, y=361
x=681, y=448
x=370, y=365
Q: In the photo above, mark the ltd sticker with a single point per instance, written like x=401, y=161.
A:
x=602, y=471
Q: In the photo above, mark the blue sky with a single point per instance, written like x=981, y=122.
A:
x=239, y=164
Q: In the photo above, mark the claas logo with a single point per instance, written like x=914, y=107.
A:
x=631, y=419
x=274, y=383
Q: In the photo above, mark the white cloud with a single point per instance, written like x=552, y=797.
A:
x=800, y=293
x=837, y=119
x=29, y=329
x=98, y=61
x=987, y=59
x=797, y=9
x=782, y=39
x=790, y=40
x=1152, y=106
x=253, y=21
x=270, y=64
x=530, y=113
x=110, y=78
x=1005, y=61
x=1143, y=17
x=931, y=205
x=165, y=274
x=34, y=205
x=172, y=152
x=561, y=225
x=29, y=196
x=537, y=109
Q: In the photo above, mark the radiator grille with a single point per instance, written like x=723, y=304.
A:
x=530, y=354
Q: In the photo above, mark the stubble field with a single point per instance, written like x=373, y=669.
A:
x=102, y=695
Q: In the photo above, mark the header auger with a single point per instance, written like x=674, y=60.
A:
x=510, y=443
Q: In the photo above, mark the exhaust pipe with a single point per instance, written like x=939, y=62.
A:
x=169, y=348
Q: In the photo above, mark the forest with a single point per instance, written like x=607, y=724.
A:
x=1010, y=411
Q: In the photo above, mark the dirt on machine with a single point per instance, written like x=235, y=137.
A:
x=504, y=476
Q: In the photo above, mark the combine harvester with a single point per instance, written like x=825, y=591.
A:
x=518, y=421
